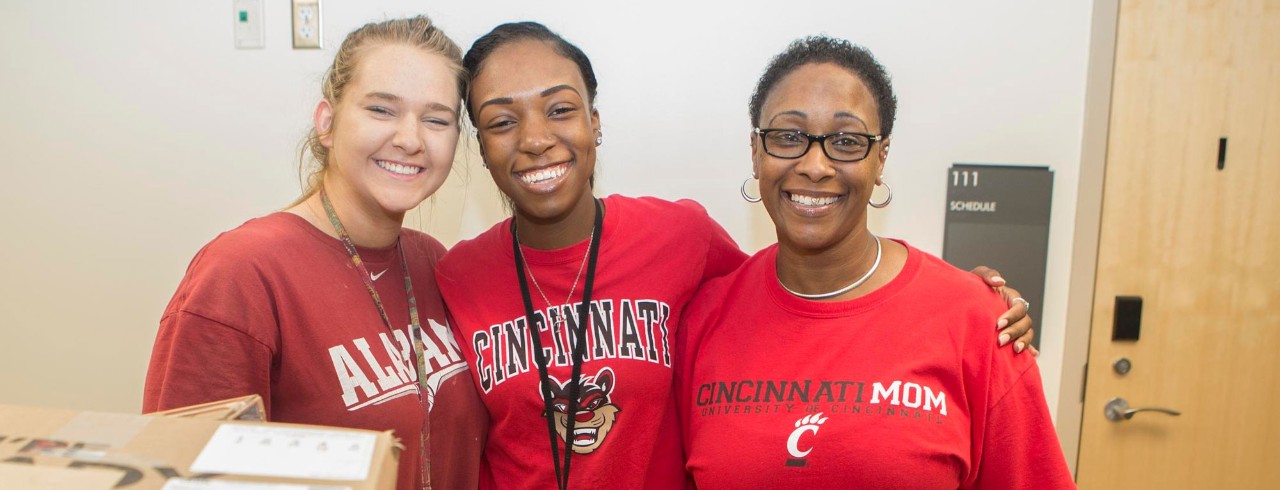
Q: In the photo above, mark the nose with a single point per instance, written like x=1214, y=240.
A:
x=584, y=416
x=408, y=137
x=815, y=164
x=535, y=136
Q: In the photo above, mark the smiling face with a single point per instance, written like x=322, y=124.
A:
x=392, y=135
x=537, y=130
x=817, y=203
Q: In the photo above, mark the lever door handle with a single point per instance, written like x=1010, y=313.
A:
x=1118, y=410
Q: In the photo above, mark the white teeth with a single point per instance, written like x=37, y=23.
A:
x=543, y=175
x=584, y=442
x=399, y=169
x=812, y=201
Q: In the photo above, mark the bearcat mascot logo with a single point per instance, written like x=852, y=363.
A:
x=596, y=413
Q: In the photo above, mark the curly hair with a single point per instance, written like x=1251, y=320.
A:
x=825, y=49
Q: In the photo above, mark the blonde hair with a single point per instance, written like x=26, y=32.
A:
x=418, y=32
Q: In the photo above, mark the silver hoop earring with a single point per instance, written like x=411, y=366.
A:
x=599, y=140
x=886, y=200
x=746, y=196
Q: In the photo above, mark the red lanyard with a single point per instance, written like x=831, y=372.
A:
x=415, y=328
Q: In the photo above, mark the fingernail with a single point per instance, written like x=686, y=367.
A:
x=1018, y=347
x=1004, y=322
x=1004, y=338
x=998, y=279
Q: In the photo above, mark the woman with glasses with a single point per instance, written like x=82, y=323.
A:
x=566, y=312
x=836, y=358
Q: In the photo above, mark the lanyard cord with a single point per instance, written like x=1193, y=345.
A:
x=415, y=328
x=578, y=341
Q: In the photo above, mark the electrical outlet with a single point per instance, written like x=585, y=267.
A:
x=248, y=23
x=306, y=24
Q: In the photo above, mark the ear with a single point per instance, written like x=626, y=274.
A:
x=757, y=154
x=604, y=379
x=323, y=120
x=884, y=159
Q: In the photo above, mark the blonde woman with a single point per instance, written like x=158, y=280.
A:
x=329, y=310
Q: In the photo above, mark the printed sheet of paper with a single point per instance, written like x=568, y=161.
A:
x=287, y=452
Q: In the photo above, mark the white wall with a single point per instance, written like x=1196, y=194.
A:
x=133, y=134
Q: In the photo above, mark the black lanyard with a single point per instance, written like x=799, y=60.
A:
x=415, y=328
x=579, y=346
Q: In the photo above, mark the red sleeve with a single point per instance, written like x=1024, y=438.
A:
x=459, y=426
x=217, y=337
x=723, y=254
x=1020, y=447
x=458, y=429
x=197, y=360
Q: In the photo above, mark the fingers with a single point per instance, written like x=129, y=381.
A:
x=1024, y=342
x=1019, y=331
x=991, y=276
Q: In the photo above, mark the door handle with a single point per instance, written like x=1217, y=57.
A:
x=1117, y=410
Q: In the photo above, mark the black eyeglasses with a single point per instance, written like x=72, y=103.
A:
x=840, y=147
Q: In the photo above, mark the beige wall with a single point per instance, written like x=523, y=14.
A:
x=133, y=134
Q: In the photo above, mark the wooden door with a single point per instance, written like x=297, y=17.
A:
x=1199, y=244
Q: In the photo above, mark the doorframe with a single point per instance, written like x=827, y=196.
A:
x=1084, y=249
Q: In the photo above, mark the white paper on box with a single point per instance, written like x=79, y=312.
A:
x=287, y=452
x=191, y=484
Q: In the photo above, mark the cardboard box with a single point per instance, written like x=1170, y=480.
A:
x=249, y=408
x=59, y=449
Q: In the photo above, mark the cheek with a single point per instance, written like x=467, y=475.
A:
x=442, y=146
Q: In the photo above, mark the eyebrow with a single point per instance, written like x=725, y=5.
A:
x=510, y=100
x=802, y=115
x=396, y=98
x=558, y=88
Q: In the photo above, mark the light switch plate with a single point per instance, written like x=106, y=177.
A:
x=306, y=24
x=247, y=16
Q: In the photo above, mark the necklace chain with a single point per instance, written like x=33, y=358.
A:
x=572, y=288
x=851, y=287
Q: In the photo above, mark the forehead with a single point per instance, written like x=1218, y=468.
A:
x=821, y=89
x=523, y=67
x=408, y=72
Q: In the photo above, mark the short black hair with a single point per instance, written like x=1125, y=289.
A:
x=825, y=49
x=518, y=31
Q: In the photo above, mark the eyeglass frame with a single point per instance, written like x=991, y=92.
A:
x=820, y=139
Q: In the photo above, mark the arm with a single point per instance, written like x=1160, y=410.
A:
x=197, y=360
x=1020, y=448
x=723, y=254
x=458, y=428
x=1014, y=324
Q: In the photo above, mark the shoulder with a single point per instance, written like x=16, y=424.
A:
x=648, y=207
x=250, y=245
x=233, y=278
x=723, y=291
x=681, y=222
x=948, y=283
x=420, y=244
x=468, y=254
